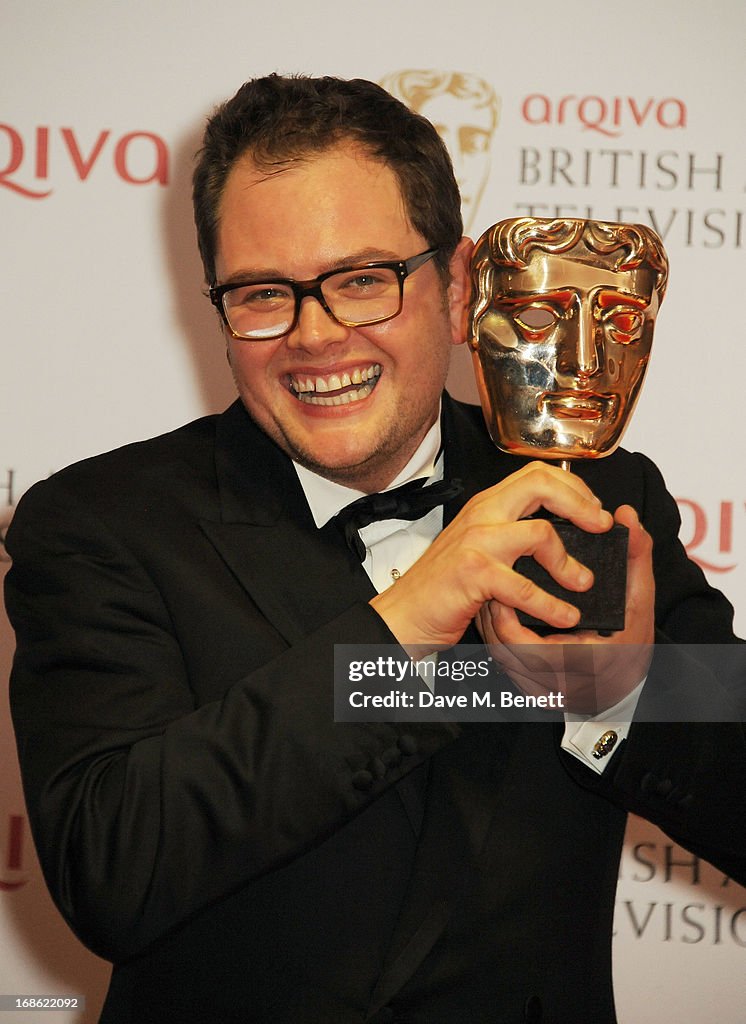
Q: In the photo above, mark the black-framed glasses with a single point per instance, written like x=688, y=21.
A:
x=352, y=296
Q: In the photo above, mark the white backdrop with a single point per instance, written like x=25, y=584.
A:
x=631, y=114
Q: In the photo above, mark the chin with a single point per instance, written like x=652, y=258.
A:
x=336, y=466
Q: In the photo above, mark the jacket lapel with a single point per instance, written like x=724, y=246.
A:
x=300, y=577
x=470, y=454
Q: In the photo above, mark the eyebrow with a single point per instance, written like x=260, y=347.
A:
x=352, y=260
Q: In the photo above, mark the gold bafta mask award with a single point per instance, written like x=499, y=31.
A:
x=560, y=325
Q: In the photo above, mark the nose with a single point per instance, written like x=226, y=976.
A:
x=580, y=352
x=315, y=329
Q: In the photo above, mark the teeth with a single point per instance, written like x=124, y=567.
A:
x=345, y=399
x=310, y=390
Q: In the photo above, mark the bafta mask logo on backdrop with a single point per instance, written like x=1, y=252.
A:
x=28, y=163
x=465, y=111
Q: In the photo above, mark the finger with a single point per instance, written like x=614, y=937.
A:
x=510, y=631
x=539, y=486
x=499, y=626
x=535, y=538
x=483, y=622
x=542, y=541
x=517, y=591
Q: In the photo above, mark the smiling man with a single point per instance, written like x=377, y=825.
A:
x=200, y=818
x=323, y=215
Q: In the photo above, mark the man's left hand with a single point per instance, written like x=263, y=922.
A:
x=593, y=672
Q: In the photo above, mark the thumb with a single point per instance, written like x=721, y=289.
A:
x=640, y=542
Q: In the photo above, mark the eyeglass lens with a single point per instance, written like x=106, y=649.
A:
x=265, y=310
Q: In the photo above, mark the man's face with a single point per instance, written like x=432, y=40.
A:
x=466, y=129
x=337, y=209
x=562, y=352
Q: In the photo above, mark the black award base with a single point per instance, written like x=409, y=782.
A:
x=605, y=554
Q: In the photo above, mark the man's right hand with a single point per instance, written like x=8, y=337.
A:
x=471, y=561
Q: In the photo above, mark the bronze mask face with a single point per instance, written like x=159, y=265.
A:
x=560, y=324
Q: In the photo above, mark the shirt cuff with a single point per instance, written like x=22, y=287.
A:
x=592, y=739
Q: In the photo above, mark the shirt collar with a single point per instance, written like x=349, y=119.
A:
x=326, y=498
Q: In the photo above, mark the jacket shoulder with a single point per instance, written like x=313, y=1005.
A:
x=139, y=474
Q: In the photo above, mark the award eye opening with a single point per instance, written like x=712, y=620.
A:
x=536, y=318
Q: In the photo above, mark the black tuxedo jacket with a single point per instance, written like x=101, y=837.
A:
x=201, y=820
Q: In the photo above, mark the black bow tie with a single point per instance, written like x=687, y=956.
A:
x=410, y=501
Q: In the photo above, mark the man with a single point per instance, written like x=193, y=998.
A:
x=200, y=819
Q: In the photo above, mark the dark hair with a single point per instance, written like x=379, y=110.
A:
x=276, y=119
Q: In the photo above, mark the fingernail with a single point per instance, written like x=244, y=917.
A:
x=570, y=615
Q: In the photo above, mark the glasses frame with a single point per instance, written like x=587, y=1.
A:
x=312, y=288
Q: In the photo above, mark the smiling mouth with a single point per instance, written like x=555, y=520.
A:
x=336, y=388
x=580, y=405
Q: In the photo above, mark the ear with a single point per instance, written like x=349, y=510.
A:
x=459, y=290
